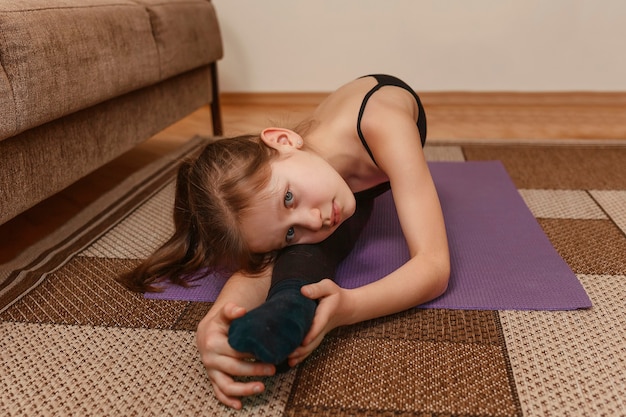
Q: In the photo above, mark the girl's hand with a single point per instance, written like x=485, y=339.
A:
x=222, y=362
x=333, y=310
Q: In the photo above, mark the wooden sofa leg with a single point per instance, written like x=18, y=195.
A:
x=216, y=111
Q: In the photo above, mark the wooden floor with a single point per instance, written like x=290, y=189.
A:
x=460, y=117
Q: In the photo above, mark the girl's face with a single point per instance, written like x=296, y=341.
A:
x=305, y=202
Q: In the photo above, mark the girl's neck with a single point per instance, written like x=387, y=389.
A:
x=352, y=163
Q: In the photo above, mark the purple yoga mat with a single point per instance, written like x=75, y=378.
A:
x=500, y=257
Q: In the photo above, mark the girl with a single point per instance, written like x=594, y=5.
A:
x=282, y=209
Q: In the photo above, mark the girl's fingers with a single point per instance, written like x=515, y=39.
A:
x=246, y=368
x=316, y=328
x=220, y=359
x=231, y=311
x=232, y=402
x=318, y=290
x=228, y=392
x=323, y=315
x=297, y=356
x=302, y=352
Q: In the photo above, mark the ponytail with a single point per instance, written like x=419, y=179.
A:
x=176, y=258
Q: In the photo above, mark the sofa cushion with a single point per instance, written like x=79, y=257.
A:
x=7, y=109
x=61, y=56
x=181, y=29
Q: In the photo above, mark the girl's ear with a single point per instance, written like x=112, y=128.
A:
x=281, y=139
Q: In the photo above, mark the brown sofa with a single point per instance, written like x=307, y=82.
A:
x=83, y=81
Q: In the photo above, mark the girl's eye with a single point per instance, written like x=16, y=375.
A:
x=290, y=234
x=288, y=199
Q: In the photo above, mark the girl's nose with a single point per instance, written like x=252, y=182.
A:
x=312, y=220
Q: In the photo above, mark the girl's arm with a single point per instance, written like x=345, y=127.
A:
x=389, y=127
x=241, y=293
x=394, y=140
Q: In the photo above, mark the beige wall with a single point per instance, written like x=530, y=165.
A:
x=435, y=45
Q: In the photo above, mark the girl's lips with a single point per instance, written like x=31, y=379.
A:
x=336, y=218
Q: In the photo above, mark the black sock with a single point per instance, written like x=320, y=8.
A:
x=277, y=327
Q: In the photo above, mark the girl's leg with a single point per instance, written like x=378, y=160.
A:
x=276, y=328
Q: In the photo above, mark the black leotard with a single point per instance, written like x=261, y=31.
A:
x=314, y=262
x=385, y=80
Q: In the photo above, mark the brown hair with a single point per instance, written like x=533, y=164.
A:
x=212, y=191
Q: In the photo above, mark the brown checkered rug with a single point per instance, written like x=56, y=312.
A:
x=76, y=343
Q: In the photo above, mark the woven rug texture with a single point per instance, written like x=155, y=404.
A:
x=75, y=343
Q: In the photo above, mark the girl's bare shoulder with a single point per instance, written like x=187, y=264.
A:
x=345, y=101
